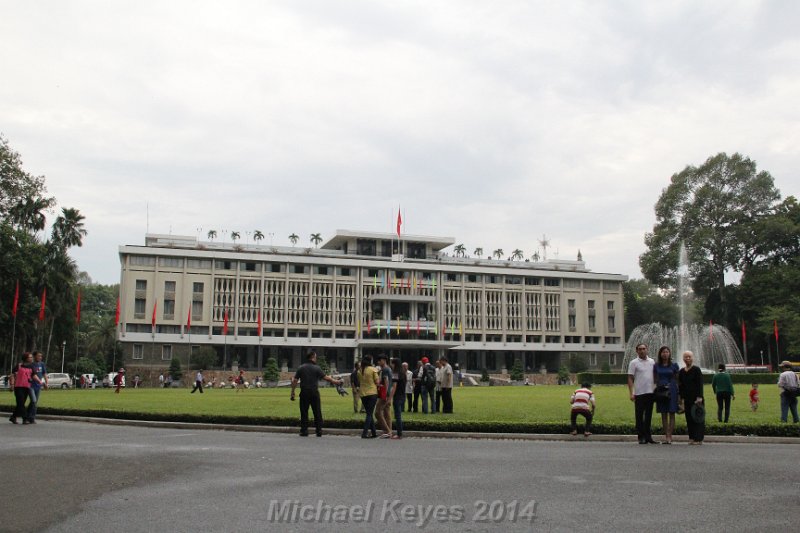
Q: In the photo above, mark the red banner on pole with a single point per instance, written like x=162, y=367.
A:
x=399, y=222
x=44, y=303
x=189, y=319
x=775, y=327
x=78, y=309
x=16, y=301
x=744, y=333
x=155, y=305
x=116, y=315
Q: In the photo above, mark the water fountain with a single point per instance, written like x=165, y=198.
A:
x=711, y=345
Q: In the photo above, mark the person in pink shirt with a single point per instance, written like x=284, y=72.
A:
x=21, y=383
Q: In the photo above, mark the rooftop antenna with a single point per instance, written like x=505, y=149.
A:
x=544, y=243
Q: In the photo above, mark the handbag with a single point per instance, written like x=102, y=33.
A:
x=662, y=393
x=382, y=391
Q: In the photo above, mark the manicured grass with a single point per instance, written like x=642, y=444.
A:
x=481, y=408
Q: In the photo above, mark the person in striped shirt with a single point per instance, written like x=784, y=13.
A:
x=582, y=402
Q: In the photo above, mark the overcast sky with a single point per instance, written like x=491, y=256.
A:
x=491, y=122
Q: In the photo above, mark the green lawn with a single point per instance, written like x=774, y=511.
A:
x=481, y=408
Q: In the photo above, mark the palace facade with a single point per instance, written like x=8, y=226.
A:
x=363, y=293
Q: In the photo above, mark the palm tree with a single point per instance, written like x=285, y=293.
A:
x=212, y=234
x=478, y=252
x=294, y=238
x=498, y=253
x=535, y=257
x=460, y=250
x=316, y=238
x=516, y=254
x=235, y=235
x=258, y=236
x=68, y=230
x=29, y=213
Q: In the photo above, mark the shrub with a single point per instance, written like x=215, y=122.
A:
x=484, y=375
x=175, y=369
x=563, y=375
x=271, y=372
x=606, y=368
x=322, y=361
x=517, y=373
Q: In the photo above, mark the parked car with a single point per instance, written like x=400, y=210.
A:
x=58, y=380
x=4, y=382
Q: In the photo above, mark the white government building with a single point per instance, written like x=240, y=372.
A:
x=363, y=293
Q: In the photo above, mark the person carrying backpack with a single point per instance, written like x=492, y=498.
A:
x=428, y=381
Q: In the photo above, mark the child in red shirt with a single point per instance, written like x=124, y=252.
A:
x=754, y=397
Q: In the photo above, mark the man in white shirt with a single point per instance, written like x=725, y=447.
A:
x=641, y=386
x=409, y=386
x=198, y=381
x=788, y=383
x=446, y=385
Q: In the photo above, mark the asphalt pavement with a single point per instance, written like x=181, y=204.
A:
x=65, y=476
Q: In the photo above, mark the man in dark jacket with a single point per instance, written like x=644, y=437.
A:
x=309, y=376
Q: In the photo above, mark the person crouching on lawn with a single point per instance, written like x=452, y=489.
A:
x=582, y=402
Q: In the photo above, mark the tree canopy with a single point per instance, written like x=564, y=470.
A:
x=714, y=209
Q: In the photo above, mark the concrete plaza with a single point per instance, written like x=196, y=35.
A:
x=73, y=476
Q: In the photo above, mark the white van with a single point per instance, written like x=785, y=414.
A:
x=57, y=380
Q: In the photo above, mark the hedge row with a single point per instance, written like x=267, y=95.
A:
x=598, y=378
x=764, y=430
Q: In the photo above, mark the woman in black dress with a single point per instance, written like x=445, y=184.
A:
x=690, y=385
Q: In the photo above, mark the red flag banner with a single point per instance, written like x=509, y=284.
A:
x=225, y=323
x=78, y=309
x=155, y=305
x=44, y=303
x=259, y=322
x=116, y=315
x=775, y=327
x=744, y=333
x=399, y=222
x=189, y=319
x=16, y=301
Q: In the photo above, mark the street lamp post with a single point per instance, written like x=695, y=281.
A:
x=63, y=348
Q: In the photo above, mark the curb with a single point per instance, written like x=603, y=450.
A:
x=547, y=437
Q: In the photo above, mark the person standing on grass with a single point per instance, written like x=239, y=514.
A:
x=428, y=379
x=198, y=382
x=417, y=381
x=383, y=409
x=409, y=385
x=368, y=390
x=722, y=385
x=446, y=385
x=40, y=370
x=582, y=402
x=399, y=380
x=309, y=376
x=754, y=398
x=665, y=374
x=437, y=406
x=640, y=387
x=690, y=386
x=788, y=383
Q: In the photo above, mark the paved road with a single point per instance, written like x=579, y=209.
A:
x=71, y=476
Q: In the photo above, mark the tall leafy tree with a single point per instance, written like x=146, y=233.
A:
x=713, y=209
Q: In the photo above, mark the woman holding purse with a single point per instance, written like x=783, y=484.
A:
x=665, y=376
x=690, y=382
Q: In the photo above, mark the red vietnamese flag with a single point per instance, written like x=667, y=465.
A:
x=78, y=309
x=116, y=315
x=225, y=322
x=399, y=222
x=189, y=319
x=16, y=301
x=259, y=322
x=155, y=305
x=744, y=334
x=44, y=303
x=775, y=327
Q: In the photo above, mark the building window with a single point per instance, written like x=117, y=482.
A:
x=143, y=260
x=571, y=319
x=513, y=280
x=169, y=286
x=298, y=269
x=249, y=267
x=141, y=284
x=174, y=262
x=472, y=278
x=138, y=308
x=611, y=324
x=493, y=279
x=138, y=351
x=275, y=267
x=166, y=352
x=199, y=263
x=533, y=281
x=344, y=272
x=592, y=359
x=322, y=270
x=552, y=282
x=612, y=359
x=452, y=277
x=611, y=305
x=197, y=288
